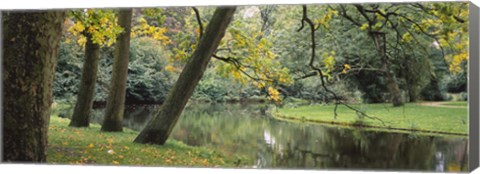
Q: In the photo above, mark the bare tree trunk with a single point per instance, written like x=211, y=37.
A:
x=30, y=49
x=116, y=96
x=159, y=127
x=392, y=86
x=86, y=94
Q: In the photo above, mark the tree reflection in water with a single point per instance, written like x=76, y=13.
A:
x=246, y=130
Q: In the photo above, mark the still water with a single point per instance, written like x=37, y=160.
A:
x=246, y=130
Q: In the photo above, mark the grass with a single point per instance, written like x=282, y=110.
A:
x=69, y=145
x=411, y=117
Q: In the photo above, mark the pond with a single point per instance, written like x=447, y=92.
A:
x=246, y=130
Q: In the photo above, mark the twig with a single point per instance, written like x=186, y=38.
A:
x=319, y=71
x=234, y=61
x=199, y=20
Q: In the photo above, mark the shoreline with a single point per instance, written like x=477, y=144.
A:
x=366, y=127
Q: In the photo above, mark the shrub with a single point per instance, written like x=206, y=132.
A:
x=147, y=80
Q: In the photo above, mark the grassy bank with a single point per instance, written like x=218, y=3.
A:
x=90, y=146
x=411, y=117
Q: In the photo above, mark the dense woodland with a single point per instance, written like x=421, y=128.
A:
x=339, y=54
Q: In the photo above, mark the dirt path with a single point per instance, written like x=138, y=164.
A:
x=440, y=104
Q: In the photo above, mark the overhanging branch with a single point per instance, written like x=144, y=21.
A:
x=307, y=20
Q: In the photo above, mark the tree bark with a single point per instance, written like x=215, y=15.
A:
x=116, y=97
x=392, y=85
x=159, y=127
x=30, y=49
x=86, y=94
x=412, y=95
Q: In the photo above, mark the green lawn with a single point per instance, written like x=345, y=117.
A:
x=90, y=146
x=406, y=118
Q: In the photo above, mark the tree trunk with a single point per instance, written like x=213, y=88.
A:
x=159, y=127
x=30, y=49
x=432, y=91
x=392, y=86
x=86, y=94
x=412, y=94
x=116, y=96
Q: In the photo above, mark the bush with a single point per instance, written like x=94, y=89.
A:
x=68, y=71
x=147, y=80
x=214, y=88
x=456, y=83
x=463, y=96
x=433, y=92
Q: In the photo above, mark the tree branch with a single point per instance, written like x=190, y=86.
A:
x=199, y=20
x=346, y=16
x=307, y=20
x=234, y=61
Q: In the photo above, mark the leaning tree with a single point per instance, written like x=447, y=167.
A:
x=160, y=126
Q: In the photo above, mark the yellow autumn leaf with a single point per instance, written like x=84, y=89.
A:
x=274, y=95
x=82, y=41
x=261, y=85
x=346, y=67
x=406, y=37
x=78, y=26
x=170, y=68
x=364, y=26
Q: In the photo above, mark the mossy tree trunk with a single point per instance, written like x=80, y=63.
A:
x=116, y=97
x=30, y=50
x=86, y=94
x=392, y=85
x=160, y=126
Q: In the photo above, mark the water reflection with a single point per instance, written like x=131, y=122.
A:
x=246, y=130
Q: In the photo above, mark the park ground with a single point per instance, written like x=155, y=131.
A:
x=442, y=118
x=68, y=145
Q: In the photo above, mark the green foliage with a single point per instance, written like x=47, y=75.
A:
x=68, y=71
x=456, y=83
x=214, y=88
x=148, y=81
x=274, y=53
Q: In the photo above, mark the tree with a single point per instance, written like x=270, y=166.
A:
x=399, y=33
x=116, y=97
x=160, y=126
x=374, y=24
x=380, y=41
x=97, y=29
x=86, y=94
x=30, y=47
